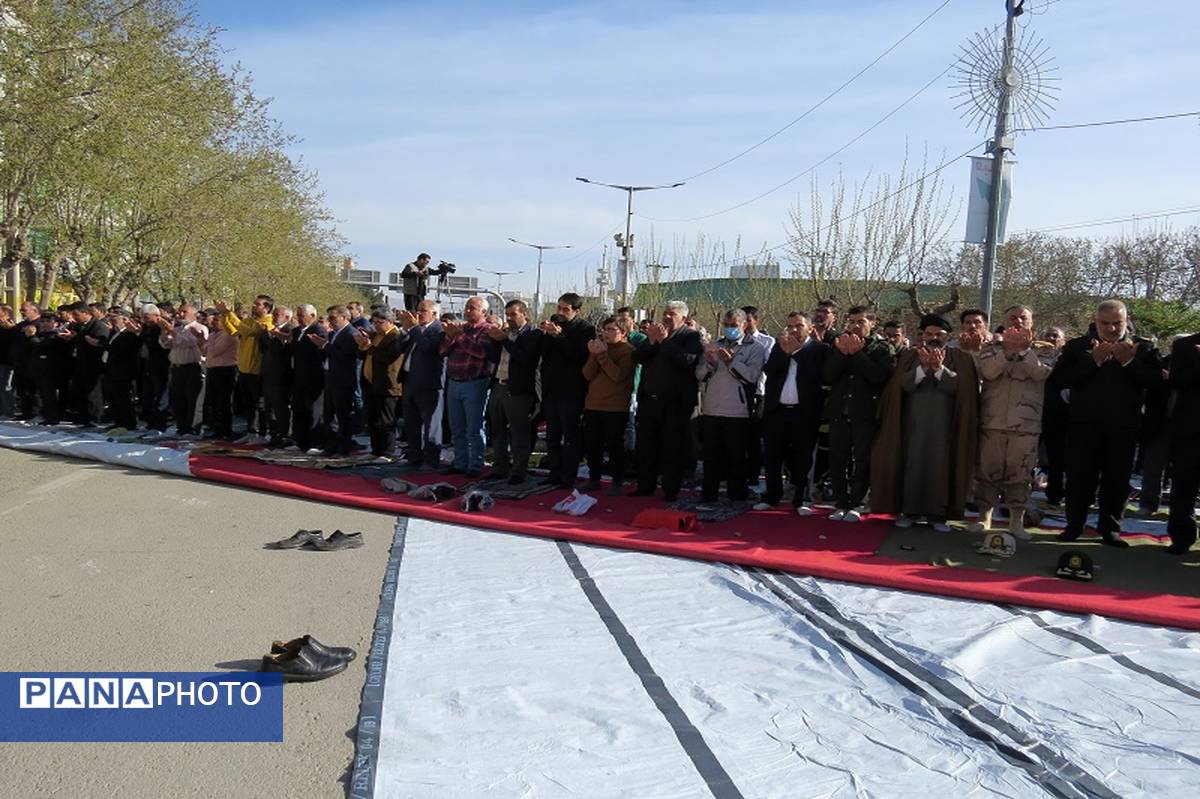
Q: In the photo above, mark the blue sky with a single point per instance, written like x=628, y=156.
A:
x=448, y=128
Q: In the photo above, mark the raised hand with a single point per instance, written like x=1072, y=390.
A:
x=452, y=329
x=1017, y=339
x=596, y=346
x=1124, y=351
x=316, y=339
x=656, y=333
x=407, y=319
x=221, y=307
x=496, y=333
x=970, y=342
x=1101, y=351
x=937, y=359
x=551, y=329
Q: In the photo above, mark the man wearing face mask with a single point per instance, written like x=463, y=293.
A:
x=1108, y=373
x=666, y=399
x=924, y=457
x=730, y=370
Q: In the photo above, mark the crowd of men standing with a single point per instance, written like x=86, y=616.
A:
x=850, y=410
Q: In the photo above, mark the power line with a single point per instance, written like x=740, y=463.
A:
x=1108, y=122
x=1191, y=209
x=810, y=169
x=823, y=100
x=582, y=253
x=850, y=216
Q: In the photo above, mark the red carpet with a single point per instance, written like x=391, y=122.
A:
x=773, y=539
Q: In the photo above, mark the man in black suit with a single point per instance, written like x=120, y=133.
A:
x=341, y=378
x=1185, y=442
x=308, y=374
x=1108, y=373
x=275, y=347
x=422, y=377
x=121, y=368
x=564, y=352
x=792, y=415
x=667, y=398
x=514, y=391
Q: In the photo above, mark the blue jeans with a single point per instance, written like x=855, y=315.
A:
x=466, y=400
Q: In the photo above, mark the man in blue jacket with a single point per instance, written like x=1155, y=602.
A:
x=422, y=376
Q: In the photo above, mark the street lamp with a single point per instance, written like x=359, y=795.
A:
x=626, y=243
x=499, y=278
x=537, y=292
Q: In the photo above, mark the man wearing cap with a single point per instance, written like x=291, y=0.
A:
x=1108, y=373
x=1010, y=418
x=924, y=457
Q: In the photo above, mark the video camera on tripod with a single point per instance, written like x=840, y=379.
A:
x=442, y=269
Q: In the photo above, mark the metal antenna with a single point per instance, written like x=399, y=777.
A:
x=1002, y=81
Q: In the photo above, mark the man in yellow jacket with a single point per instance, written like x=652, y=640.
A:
x=249, y=361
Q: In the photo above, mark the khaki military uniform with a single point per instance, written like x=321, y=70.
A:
x=1010, y=421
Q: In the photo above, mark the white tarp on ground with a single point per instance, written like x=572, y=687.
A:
x=96, y=447
x=525, y=667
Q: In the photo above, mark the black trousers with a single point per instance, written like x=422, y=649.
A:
x=1155, y=455
x=604, y=432
x=662, y=444
x=339, y=407
x=186, y=382
x=1054, y=446
x=791, y=437
x=564, y=443
x=724, y=443
x=304, y=396
x=1099, y=456
x=153, y=389
x=754, y=445
x=508, y=415
x=218, y=397
x=411, y=301
x=120, y=402
x=850, y=443
x=381, y=421
x=419, y=407
x=250, y=390
x=1185, y=485
x=277, y=399
x=83, y=383
x=26, y=388
x=47, y=389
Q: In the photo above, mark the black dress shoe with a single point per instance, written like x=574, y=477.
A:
x=297, y=539
x=515, y=479
x=1114, y=540
x=551, y=481
x=338, y=540
x=303, y=664
x=344, y=652
x=1069, y=535
x=1178, y=548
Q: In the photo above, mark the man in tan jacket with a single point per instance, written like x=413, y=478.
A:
x=1013, y=372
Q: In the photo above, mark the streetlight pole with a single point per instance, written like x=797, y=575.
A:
x=627, y=243
x=541, y=248
x=1001, y=143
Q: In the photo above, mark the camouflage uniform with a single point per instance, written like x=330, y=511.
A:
x=1010, y=420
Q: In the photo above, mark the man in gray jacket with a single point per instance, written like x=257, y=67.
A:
x=729, y=371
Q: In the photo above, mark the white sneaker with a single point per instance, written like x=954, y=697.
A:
x=941, y=527
x=904, y=522
x=852, y=516
x=314, y=451
x=837, y=515
x=804, y=510
x=381, y=459
x=762, y=506
x=246, y=439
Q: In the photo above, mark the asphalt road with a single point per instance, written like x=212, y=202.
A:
x=104, y=569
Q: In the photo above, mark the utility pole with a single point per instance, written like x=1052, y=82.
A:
x=541, y=248
x=627, y=242
x=999, y=146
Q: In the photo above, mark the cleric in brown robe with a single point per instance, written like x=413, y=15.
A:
x=922, y=461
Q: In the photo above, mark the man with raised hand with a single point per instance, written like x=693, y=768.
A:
x=1013, y=372
x=856, y=370
x=422, y=375
x=249, y=361
x=1107, y=372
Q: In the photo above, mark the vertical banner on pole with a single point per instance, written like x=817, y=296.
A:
x=977, y=206
x=619, y=277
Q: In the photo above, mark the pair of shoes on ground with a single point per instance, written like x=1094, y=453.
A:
x=305, y=659
x=312, y=538
x=1016, y=524
x=852, y=515
x=1108, y=539
x=904, y=522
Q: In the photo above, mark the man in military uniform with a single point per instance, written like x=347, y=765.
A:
x=1013, y=372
